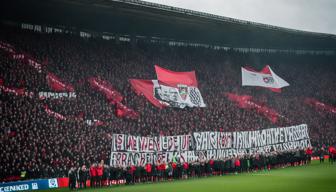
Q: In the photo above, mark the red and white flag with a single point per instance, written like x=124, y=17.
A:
x=15, y=91
x=111, y=94
x=264, y=78
x=54, y=114
x=320, y=106
x=56, y=84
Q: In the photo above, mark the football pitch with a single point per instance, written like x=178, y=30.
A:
x=314, y=177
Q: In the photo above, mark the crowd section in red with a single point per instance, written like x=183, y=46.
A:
x=46, y=137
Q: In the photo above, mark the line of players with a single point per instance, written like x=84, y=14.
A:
x=103, y=175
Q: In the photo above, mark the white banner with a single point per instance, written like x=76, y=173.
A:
x=132, y=143
x=136, y=150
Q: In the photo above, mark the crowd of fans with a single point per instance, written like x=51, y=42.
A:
x=44, y=146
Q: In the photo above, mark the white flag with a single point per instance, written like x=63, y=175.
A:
x=265, y=78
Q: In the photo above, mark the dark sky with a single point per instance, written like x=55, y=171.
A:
x=308, y=15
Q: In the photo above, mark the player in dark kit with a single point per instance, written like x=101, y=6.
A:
x=129, y=174
x=72, y=178
x=185, y=171
x=333, y=152
x=82, y=177
x=321, y=155
x=106, y=175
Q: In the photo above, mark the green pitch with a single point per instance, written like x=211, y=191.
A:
x=314, y=178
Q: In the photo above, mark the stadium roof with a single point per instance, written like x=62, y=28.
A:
x=139, y=18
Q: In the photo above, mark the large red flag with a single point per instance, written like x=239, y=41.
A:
x=15, y=91
x=241, y=100
x=106, y=88
x=246, y=102
x=145, y=88
x=173, y=78
x=54, y=114
x=56, y=84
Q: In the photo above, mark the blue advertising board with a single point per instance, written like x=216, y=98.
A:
x=28, y=185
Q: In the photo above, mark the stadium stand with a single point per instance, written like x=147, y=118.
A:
x=44, y=146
